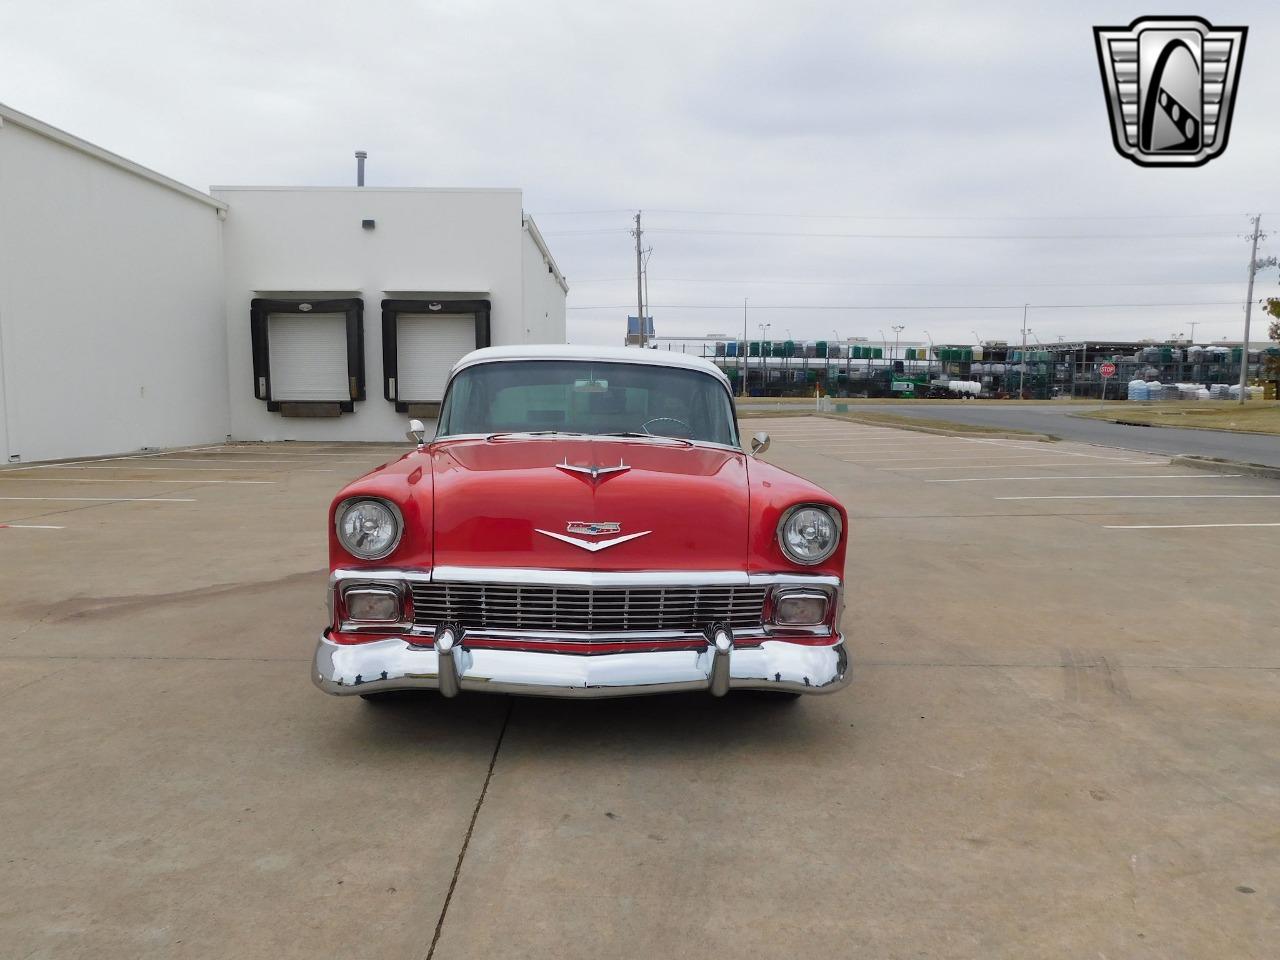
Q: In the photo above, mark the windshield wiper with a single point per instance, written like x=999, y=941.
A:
x=648, y=436
x=534, y=433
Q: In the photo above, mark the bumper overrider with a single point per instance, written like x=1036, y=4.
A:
x=450, y=658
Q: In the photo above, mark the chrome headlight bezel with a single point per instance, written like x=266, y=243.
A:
x=346, y=505
x=787, y=517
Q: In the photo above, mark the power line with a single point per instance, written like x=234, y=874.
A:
x=944, y=236
x=583, y=213
x=961, y=218
x=947, y=217
x=931, y=283
x=695, y=231
x=941, y=306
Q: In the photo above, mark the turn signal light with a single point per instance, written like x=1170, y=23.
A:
x=800, y=609
x=372, y=605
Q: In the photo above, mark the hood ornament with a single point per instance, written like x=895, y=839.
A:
x=595, y=473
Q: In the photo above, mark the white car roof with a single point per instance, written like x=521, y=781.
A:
x=554, y=351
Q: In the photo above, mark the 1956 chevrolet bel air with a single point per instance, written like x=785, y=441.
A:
x=585, y=523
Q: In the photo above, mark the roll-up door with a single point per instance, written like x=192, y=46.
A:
x=308, y=356
x=427, y=347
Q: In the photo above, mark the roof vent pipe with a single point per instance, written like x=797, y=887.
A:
x=360, y=158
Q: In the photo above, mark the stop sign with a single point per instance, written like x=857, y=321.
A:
x=1107, y=369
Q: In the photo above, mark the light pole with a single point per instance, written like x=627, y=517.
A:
x=928, y=366
x=897, y=328
x=764, y=367
x=1022, y=376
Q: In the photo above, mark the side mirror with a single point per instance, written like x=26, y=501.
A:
x=759, y=443
x=417, y=432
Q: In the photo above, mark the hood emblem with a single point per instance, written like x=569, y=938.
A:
x=593, y=529
x=595, y=473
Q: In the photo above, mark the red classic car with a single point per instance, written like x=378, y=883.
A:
x=584, y=523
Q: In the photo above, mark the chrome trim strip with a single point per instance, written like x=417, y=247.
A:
x=584, y=578
x=342, y=669
x=582, y=636
x=591, y=578
x=794, y=579
x=378, y=575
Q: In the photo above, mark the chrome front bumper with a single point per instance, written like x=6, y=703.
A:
x=396, y=664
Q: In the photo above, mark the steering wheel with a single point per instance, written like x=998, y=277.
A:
x=645, y=426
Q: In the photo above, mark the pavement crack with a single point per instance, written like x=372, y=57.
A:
x=466, y=840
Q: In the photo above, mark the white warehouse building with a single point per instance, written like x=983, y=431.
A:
x=137, y=312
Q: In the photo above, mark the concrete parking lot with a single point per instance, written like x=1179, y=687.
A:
x=1060, y=742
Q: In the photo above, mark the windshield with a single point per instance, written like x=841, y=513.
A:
x=589, y=397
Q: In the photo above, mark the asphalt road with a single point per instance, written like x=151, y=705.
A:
x=1057, y=420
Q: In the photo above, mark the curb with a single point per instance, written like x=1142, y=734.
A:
x=1216, y=465
x=970, y=435
x=1168, y=426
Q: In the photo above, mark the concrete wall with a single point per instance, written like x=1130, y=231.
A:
x=442, y=244
x=544, y=294
x=111, y=306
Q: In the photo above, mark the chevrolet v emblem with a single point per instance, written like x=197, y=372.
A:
x=595, y=473
x=596, y=545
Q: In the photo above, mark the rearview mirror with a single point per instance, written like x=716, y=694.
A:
x=417, y=432
x=759, y=443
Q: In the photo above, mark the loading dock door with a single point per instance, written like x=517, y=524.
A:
x=427, y=347
x=308, y=356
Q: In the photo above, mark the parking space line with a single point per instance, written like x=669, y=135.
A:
x=109, y=499
x=224, y=460
x=124, y=480
x=1153, y=496
x=29, y=526
x=1057, y=463
x=131, y=456
x=1182, y=526
x=160, y=469
x=288, y=453
x=1131, y=476
x=1010, y=459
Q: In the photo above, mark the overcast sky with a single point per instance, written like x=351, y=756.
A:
x=780, y=118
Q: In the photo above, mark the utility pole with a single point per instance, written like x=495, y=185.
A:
x=638, y=233
x=648, y=255
x=1022, y=376
x=1248, y=308
x=742, y=353
x=1193, y=324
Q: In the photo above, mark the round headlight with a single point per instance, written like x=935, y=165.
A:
x=809, y=534
x=368, y=529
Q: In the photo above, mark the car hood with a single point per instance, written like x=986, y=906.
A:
x=506, y=503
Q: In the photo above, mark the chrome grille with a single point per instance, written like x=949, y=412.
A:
x=523, y=607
